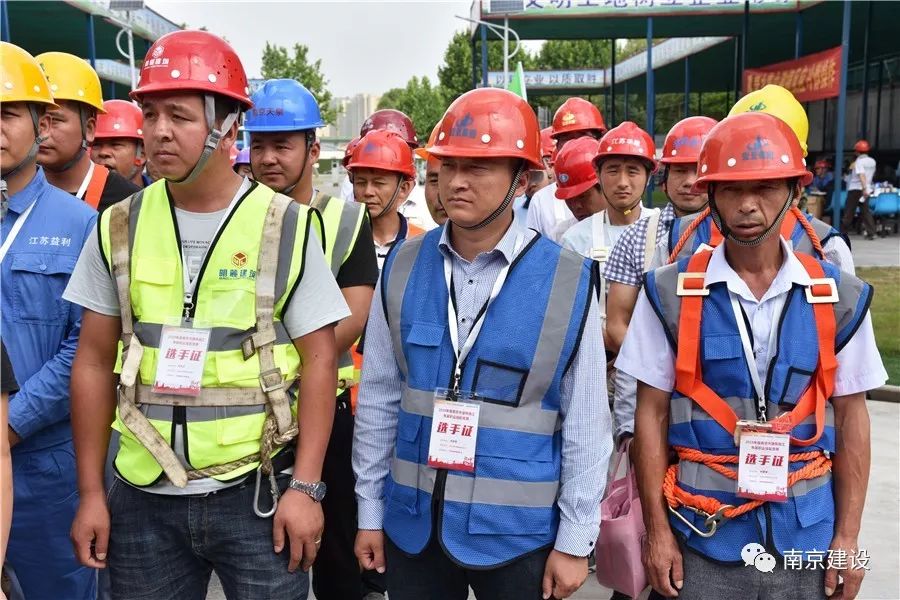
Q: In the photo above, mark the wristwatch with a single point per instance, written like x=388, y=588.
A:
x=316, y=490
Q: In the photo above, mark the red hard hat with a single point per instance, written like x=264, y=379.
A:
x=577, y=114
x=193, y=61
x=348, y=151
x=750, y=146
x=574, y=167
x=627, y=139
x=391, y=120
x=861, y=146
x=384, y=150
x=684, y=140
x=548, y=142
x=122, y=119
x=490, y=123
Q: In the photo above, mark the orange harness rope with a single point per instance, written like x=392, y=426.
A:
x=794, y=216
x=689, y=382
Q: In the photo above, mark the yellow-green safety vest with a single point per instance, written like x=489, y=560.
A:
x=225, y=301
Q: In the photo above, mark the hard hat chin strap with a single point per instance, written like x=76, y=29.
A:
x=29, y=158
x=675, y=204
x=82, y=118
x=309, y=137
x=510, y=195
x=212, y=138
x=728, y=234
x=392, y=200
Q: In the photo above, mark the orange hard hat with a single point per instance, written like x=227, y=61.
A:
x=122, y=119
x=684, y=140
x=627, y=139
x=391, y=120
x=862, y=146
x=490, y=123
x=422, y=152
x=574, y=167
x=577, y=114
x=384, y=150
x=348, y=151
x=193, y=61
x=750, y=146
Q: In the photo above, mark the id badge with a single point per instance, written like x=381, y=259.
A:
x=182, y=355
x=454, y=431
x=763, y=462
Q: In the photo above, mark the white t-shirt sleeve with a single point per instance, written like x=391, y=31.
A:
x=317, y=301
x=91, y=284
x=838, y=253
x=646, y=353
x=859, y=363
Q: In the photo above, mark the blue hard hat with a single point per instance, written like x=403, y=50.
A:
x=283, y=105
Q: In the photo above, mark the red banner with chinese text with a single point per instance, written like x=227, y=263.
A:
x=812, y=77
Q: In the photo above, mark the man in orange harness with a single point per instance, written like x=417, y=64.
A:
x=64, y=154
x=753, y=362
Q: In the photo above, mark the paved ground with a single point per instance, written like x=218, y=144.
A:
x=880, y=252
x=881, y=520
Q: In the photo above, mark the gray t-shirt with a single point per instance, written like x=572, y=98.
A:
x=317, y=301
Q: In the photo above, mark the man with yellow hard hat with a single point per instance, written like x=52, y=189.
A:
x=43, y=230
x=64, y=155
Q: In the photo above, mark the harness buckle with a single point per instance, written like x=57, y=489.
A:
x=273, y=489
x=712, y=520
x=600, y=254
x=815, y=294
x=692, y=284
x=248, y=347
x=271, y=380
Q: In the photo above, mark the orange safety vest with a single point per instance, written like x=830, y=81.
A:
x=95, y=186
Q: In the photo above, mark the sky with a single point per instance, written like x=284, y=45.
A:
x=365, y=46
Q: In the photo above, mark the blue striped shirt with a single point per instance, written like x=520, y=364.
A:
x=586, y=424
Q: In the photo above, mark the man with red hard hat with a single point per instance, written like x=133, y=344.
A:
x=481, y=447
x=119, y=140
x=859, y=188
x=753, y=362
x=347, y=185
x=575, y=118
x=216, y=292
x=383, y=175
x=576, y=178
x=624, y=162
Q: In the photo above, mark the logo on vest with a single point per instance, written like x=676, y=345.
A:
x=758, y=150
x=239, y=259
x=461, y=127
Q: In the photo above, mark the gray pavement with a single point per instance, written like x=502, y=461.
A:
x=881, y=519
x=880, y=252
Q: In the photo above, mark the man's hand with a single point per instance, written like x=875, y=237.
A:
x=369, y=549
x=852, y=578
x=563, y=574
x=300, y=519
x=90, y=530
x=662, y=561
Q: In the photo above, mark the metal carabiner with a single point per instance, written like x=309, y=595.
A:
x=712, y=520
x=273, y=490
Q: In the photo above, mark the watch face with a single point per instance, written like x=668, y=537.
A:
x=318, y=491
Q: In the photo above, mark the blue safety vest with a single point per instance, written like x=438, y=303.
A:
x=806, y=520
x=703, y=234
x=531, y=331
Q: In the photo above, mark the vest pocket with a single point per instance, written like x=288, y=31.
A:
x=409, y=427
x=238, y=424
x=721, y=347
x=500, y=384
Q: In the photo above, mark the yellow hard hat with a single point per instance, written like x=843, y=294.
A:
x=72, y=78
x=778, y=102
x=21, y=78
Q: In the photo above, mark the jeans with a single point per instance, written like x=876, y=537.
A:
x=166, y=547
x=433, y=575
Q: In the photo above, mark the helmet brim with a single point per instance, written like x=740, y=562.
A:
x=446, y=152
x=186, y=86
x=701, y=185
x=569, y=192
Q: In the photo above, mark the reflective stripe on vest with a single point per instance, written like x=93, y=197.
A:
x=510, y=500
x=225, y=302
x=94, y=190
x=342, y=222
x=806, y=520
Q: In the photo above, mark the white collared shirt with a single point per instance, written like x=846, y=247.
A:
x=415, y=209
x=546, y=212
x=647, y=355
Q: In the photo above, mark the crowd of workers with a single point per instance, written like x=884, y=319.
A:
x=221, y=368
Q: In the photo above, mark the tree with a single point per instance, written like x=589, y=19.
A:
x=575, y=54
x=278, y=64
x=455, y=75
x=425, y=104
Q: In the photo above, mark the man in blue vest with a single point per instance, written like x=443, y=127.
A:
x=43, y=231
x=753, y=362
x=481, y=448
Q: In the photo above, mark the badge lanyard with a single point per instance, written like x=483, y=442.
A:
x=16, y=228
x=779, y=302
x=84, y=184
x=190, y=283
x=462, y=353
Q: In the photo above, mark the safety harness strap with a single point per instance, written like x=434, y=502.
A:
x=688, y=370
